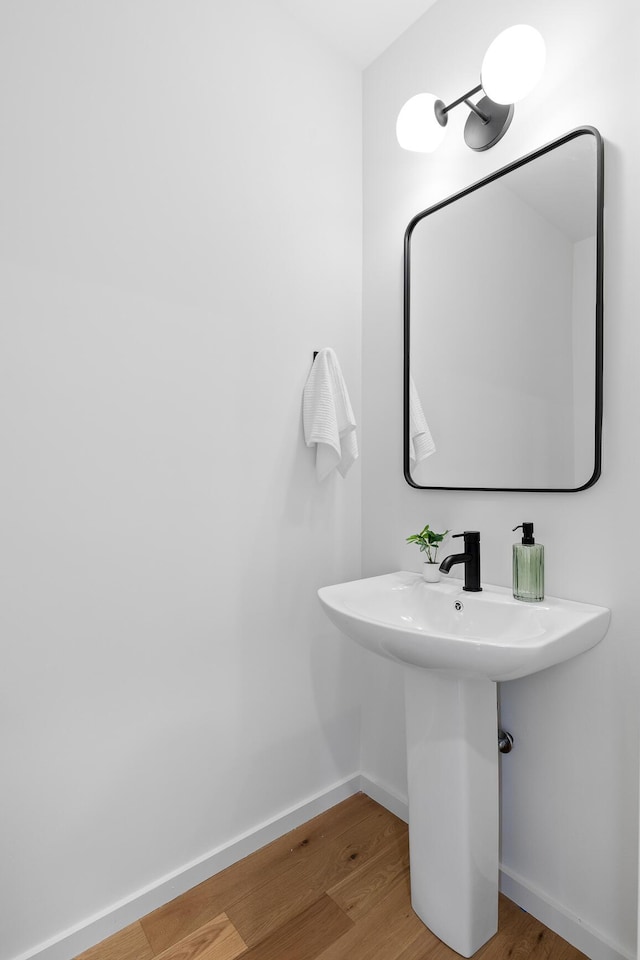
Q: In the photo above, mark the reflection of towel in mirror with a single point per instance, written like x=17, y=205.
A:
x=327, y=416
x=421, y=443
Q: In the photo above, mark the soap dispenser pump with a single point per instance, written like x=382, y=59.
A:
x=528, y=566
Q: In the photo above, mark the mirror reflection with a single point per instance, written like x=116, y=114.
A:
x=503, y=321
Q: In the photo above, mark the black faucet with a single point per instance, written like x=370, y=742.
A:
x=470, y=558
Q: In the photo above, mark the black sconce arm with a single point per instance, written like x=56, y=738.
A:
x=441, y=110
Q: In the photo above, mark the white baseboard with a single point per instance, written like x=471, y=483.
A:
x=592, y=942
x=73, y=941
x=385, y=796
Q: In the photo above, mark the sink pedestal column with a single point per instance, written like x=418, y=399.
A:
x=452, y=759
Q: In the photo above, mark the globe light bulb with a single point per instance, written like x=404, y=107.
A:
x=417, y=128
x=513, y=64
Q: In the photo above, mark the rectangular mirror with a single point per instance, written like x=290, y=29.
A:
x=503, y=327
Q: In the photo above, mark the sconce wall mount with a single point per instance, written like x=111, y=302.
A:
x=487, y=122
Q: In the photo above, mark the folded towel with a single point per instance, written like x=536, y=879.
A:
x=327, y=416
x=421, y=443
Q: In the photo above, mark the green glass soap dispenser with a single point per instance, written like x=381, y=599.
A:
x=528, y=566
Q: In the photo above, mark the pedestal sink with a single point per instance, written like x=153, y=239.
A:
x=455, y=647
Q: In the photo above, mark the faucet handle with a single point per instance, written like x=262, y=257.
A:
x=471, y=534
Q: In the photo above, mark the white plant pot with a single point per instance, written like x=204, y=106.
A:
x=431, y=572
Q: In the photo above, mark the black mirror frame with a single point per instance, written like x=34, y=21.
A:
x=573, y=134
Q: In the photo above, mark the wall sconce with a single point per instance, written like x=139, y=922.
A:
x=511, y=68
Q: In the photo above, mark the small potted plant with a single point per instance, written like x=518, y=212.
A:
x=429, y=541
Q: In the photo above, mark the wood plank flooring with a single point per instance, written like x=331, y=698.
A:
x=336, y=888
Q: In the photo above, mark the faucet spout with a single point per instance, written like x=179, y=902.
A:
x=470, y=558
x=452, y=559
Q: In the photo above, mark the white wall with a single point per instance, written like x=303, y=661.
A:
x=180, y=227
x=570, y=787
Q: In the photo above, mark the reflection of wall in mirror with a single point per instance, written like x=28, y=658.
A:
x=496, y=385
x=584, y=357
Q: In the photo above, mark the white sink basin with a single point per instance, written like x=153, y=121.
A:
x=491, y=636
x=455, y=645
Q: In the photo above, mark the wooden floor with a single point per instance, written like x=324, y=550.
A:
x=336, y=888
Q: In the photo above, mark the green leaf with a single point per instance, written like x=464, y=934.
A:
x=427, y=538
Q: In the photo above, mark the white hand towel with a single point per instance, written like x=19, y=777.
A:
x=421, y=443
x=327, y=416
